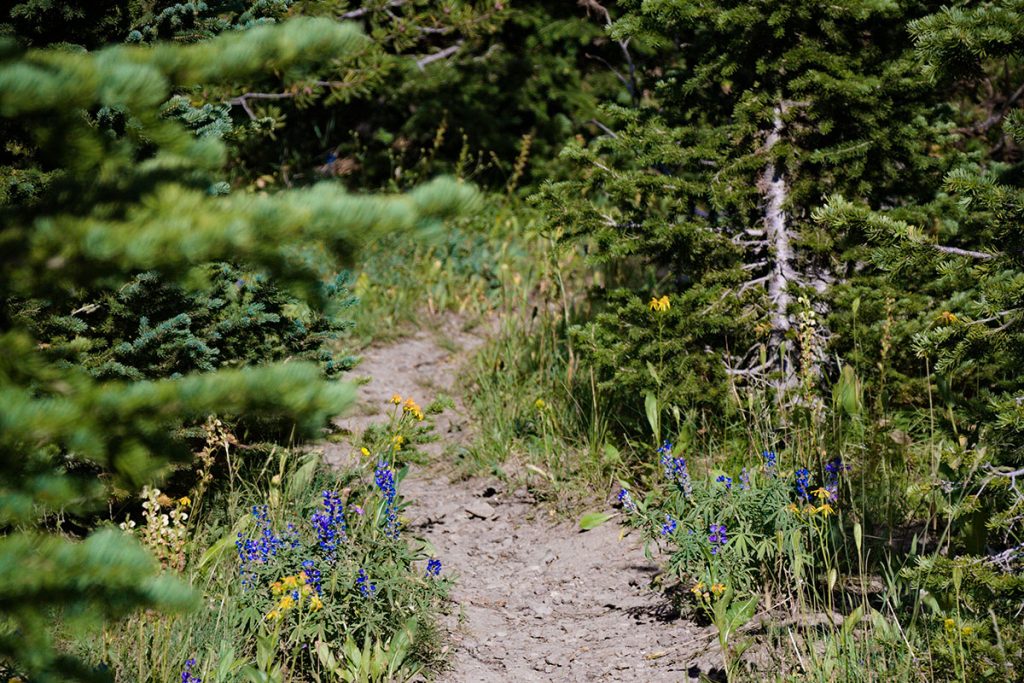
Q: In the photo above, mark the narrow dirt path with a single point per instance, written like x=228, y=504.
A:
x=535, y=599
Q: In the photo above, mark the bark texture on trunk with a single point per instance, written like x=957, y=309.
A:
x=782, y=273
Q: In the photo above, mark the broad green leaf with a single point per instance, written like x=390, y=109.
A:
x=653, y=415
x=611, y=455
x=592, y=520
x=851, y=621
x=741, y=612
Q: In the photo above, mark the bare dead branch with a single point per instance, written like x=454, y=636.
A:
x=243, y=100
x=996, y=117
x=362, y=11
x=956, y=251
x=442, y=54
x=608, y=131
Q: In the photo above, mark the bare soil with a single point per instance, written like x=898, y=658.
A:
x=535, y=598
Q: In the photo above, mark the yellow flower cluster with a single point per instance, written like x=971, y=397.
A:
x=396, y=442
x=950, y=625
x=659, y=305
x=825, y=509
x=716, y=589
x=413, y=409
x=410, y=407
x=288, y=588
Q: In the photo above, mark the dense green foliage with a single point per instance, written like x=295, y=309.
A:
x=710, y=183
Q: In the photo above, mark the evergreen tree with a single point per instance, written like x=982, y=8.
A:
x=965, y=265
x=753, y=112
x=130, y=190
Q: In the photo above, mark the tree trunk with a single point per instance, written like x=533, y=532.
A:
x=774, y=190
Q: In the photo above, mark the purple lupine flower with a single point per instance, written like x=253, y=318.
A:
x=722, y=479
x=187, y=676
x=367, y=589
x=833, y=470
x=770, y=461
x=291, y=535
x=669, y=527
x=258, y=550
x=717, y=538
x=627, y=501
x=385, y=480
x=744, y=480
x=433, y=568
x=675, y=469
x=329, y=525
x=313, y=576
x=803, y=483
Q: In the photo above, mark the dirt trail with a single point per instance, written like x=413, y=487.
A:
x=535, y=600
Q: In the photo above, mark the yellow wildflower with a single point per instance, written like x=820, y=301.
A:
x=316, y=604
x=276, y=588
x=273, y=615
x=539, y=404
x=287, y=602
x=396, y=399
x=660, y=305
x=696, y=590
x=717, y=589
x=397, y=440
x=793, y=508
x=949, y=624
x=821, y=493
x=365, y=451
x=810, y=509
x=413, y=409
x=967, y=630
x=184, y=501
x=290, y=581
x=826, y=510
